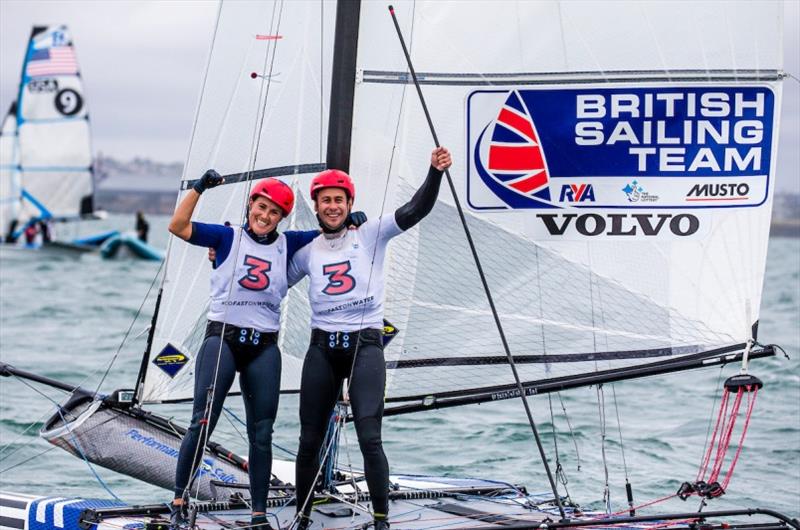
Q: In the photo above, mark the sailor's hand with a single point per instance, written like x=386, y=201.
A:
x=212, y=257
x=440, y=158
x=210, y=179
x=355, y=219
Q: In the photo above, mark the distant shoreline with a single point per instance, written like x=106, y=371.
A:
x=163, y=203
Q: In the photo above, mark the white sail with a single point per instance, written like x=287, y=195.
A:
x=10, y=189
x=272, y=123
x=616, y=162
x=605, y=245
x=53, y=127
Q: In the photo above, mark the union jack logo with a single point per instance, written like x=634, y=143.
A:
x=514, y=166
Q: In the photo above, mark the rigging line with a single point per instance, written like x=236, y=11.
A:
x=34, y=457
x=130, y=328
x=601, y=406
x=486, y=289
x=72, y=435
x=571, y=431
x=19, y=437
x=196, y=118
x=619, y=428
x=262, y=104
x=717, y=393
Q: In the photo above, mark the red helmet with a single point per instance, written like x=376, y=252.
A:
x=333, y=178
x=276, y=191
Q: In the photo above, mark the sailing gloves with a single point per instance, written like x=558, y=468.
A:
x=355, y=219
x=210, y=179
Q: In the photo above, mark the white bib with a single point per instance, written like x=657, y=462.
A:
x=247, y=288
x=346, y=286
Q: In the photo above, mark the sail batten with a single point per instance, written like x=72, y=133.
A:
x=556, y=78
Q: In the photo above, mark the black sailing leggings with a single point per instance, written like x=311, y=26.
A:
x=259, y=378
x=323, y=372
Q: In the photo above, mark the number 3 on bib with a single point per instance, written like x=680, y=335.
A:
x=339, y=282
x=256, y=278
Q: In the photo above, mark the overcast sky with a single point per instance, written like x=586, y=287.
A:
x=142, y=63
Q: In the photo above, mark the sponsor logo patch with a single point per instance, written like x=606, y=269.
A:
x=642, y=147
x=170, y=360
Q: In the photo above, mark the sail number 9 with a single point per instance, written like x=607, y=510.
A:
x=68, y=102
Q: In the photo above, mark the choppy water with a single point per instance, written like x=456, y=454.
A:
x=66, y=318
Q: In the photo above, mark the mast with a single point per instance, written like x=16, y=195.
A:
x=343, y=82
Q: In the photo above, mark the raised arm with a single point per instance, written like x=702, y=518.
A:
x=423, y=200
x=181, y=222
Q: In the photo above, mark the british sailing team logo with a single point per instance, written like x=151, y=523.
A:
x=509, y=158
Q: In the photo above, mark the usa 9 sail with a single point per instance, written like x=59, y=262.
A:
x=55, y=159
x=617, y=162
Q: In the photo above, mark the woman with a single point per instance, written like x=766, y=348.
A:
x=346, y=294
x=243, y=321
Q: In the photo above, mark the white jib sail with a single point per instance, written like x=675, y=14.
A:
x=53, y=126
x=274, y=122
x=616, y=161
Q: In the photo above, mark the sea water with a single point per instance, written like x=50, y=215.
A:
x=71, y=319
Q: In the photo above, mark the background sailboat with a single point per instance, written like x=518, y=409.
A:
x=579, y=307
x=47, y=159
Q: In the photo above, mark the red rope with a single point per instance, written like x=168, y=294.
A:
x=725, y=439
x=723, y=406
x=723, y=428
x=750, y=404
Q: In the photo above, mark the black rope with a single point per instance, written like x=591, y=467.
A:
x=481, y=274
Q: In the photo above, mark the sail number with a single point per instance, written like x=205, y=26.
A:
x=68, y=102
x=38, y=86
x=339, y=282
x=256, y=278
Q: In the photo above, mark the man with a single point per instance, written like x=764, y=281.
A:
x=346, y=293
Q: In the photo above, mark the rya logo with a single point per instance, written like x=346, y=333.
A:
x=576, y=193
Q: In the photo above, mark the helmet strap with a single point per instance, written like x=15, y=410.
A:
x=327, y=230
x=266, y=239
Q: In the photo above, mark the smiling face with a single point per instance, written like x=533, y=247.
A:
x=264, y=216
x=333, y=207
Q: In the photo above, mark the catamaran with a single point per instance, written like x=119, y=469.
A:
x=614, y=163
x=46, y=172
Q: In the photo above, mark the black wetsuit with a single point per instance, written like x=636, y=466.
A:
x=255, y=357
x=259, y=378
x=326, y=366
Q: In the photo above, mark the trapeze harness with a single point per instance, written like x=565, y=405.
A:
x=246, y=292
x=346, y=293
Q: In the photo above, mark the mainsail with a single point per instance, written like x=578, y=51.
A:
x=617, y=162
x=52, y=120
x=618, y=178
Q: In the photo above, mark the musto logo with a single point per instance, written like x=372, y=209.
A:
x=649, y=161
